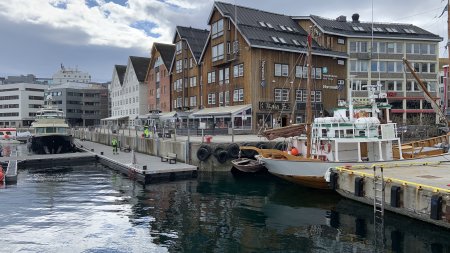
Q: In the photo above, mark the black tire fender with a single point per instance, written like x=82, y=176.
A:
x=233, y=150
x=222, y=156
x=203, y=154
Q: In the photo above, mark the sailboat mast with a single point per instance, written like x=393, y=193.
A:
x=308, y=98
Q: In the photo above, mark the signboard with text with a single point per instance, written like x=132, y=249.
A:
x=275, y=106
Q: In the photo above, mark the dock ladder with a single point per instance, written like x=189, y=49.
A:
x=378, y=207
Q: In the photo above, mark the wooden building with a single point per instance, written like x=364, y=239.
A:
x=158, y=77
x=254, y=70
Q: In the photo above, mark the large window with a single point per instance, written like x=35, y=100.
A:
x=281, y=95
x=217, y=52
x=281, y=69
x=238, y=70
x=358, y=65
x=178, y=47
x=358, y=47
x=212, y=77
x=217, y=29
x=359, y=85
x=193, y=81
x=238, y=95
x=179, y=66
x=193, y=101
x=211, y=98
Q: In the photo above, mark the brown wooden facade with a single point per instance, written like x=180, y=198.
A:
x=159, y=85
x=185, y=77
x=256, y=82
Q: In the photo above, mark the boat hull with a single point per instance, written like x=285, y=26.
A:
x=312, y=174
x=51, y=144
x=248, y=165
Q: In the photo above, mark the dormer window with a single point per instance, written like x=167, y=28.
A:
x=289, y=29
x=217, y=29
x=275, y=39
x=262, y=24
x=282, y=27
x=282, y=40
x=377, y=29
x=269, y=25
x=296, y=42
x=358, y=28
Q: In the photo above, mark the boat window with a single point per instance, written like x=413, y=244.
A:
x=61, y=130
x=1, y=133
x=8, y=132
x=50, y=130
x=40, y=130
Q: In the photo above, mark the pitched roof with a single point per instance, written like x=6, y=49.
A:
x=355, y=28
x=167, y=51
x=120, y=69
x=140, y=65
x=196, y=39
x=260, y=27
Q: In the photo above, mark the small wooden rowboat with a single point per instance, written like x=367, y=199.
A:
x=247, y=165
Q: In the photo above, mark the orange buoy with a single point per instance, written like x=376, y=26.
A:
x=294, y=151
x=2, y=176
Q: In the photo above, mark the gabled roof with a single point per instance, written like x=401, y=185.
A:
x=167, y=51
x=195, y=38
x=140, y=65
x=120, y=69
x=355, y=28
x=259, y=27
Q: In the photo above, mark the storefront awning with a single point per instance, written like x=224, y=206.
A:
x=174, y=115
x=115, y=118
x=220, y=111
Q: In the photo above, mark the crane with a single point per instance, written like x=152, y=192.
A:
x=428, y=97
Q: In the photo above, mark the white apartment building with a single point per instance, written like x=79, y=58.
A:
x=66, y=75
x=129, y=91
x=19, y=103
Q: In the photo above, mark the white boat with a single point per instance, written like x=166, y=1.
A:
x=355, y=135
x=51, y=132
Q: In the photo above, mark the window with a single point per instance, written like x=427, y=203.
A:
x=217, y=52
x=211, y=98
x=262, y=24
x=281, y=69
x=220, y=98
x=299, y=95
x=296, y=42
x=220, y=76
x=227, y=97
x=341, y=41
x=412, y=86
x=359, y=85
x=238, y=70
x=281, y=95
x=212, y=77
x=227, y=75
x=282, y=40
x=318, y=73
x=299, y=71
x=191, y=63
x=275, y=39
x=193, y=81
x=359, y=65
x=178, y=47
x=238, y=95
x=193, y=101
x=179, y=66
x=217, y=29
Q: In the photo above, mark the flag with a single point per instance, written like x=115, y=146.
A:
x=444, y=10
x=309, y=40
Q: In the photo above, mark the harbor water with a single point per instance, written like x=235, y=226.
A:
x=89, y=208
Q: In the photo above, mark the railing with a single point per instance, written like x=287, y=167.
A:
x=357, y=130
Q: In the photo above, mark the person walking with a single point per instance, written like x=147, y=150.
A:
x=146, y=131
x=114, y=144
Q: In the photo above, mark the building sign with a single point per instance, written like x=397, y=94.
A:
x=275, y=106
x=324, y=70
x=330, y=87
x=263, y=73
x=329, y=77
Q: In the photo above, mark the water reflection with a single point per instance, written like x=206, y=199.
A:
x=91, y=209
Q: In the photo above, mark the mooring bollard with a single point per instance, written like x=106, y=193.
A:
x=92, y=150
x=144, y=167
x=101, y=153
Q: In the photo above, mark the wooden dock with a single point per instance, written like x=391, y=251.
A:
x=420, y=191
x=142, y=167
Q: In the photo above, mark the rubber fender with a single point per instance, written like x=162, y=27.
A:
x=207, y=147
x=247, y=153
x=217, y=151
x=280, y=146
x=203, y=154
x=233, y=150
x=262, y=145
x=222, y=156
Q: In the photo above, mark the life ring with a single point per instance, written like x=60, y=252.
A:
x=326, y=148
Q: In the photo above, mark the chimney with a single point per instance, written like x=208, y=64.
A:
x=355, y=18
x=341, y=18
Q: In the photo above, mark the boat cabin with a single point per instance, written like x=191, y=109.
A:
x=8, y=133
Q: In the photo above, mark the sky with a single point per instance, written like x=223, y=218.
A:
x=37, y=36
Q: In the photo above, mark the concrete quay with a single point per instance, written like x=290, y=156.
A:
x=420, y=191
x=218, y=152
x=144, y=168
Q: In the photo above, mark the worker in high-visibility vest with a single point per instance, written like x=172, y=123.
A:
x=114, y=144
x=146, y=132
